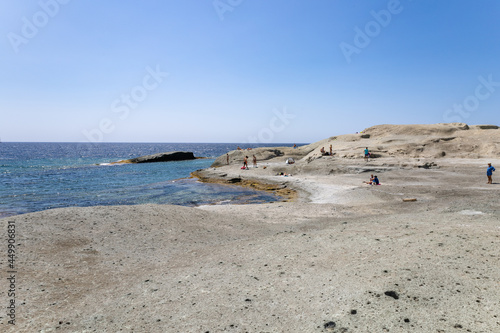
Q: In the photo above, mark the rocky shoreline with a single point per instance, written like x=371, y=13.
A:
x=280, y=189
x=338, y=256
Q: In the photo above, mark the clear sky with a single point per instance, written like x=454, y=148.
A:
x=243, y=70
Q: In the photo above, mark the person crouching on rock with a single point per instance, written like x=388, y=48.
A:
x=489, y=173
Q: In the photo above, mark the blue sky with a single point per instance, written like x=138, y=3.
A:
x=243, y=70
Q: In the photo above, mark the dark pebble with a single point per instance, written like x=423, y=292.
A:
x=392, y=294
x=407, y=320
x=354, y=312
x=330, y=324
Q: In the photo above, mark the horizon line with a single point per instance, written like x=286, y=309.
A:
x=87, y=142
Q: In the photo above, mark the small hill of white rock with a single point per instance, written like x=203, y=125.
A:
x=455, y=140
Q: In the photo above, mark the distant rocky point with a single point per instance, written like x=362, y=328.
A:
x=162, y=157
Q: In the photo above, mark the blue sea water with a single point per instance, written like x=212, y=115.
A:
x=39, y=176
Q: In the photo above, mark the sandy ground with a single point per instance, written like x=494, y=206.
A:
x=343, y=257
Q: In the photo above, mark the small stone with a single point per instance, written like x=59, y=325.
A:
x=330, y=325
x=392, y=294
x=353, y=312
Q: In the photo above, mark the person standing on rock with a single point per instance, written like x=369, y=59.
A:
x=489, y=173
x=254, y=161
x=245, y=163
x=227, y=159
x=331, y=150
x=367, y=154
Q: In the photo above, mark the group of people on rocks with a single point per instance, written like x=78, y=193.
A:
x=245, y=161
x=373, y=179
x=324, y=152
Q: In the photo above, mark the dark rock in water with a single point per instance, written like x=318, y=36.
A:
x=163, y=157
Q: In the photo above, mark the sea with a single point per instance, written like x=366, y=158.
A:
x=40, y=176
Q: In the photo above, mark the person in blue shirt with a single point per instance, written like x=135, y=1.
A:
x=369, y=182
x=489, y=173
x=373, y=181
x=367, y=153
